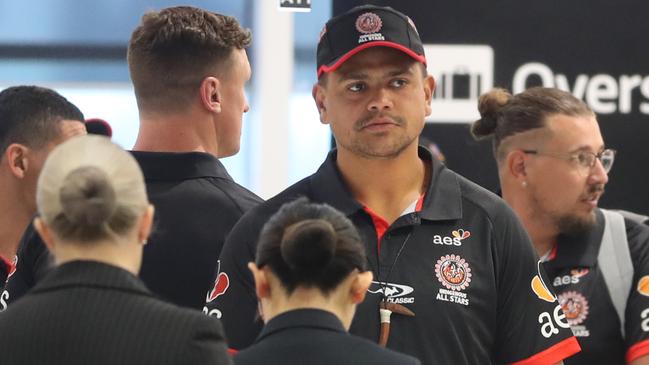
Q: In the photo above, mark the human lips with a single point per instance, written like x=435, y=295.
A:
x=378, y=123
x=592, y=197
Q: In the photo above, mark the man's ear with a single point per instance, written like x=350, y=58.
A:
x=515, y=164
x=319, y=98
x=262, y=287
x=16, y=156
x=210, y=94
x=45, y=233
x=429, y=90
x=359, y=286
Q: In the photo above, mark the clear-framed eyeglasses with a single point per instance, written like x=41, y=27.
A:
x=584, y=159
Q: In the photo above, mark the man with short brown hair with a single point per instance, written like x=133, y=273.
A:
x=189, y=68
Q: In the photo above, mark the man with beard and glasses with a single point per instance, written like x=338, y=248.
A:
x=455, y=274
x=553, y=167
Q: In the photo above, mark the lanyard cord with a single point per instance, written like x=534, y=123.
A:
x=384, y=283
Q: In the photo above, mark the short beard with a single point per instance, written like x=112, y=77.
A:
x=384, y=151
x=571, y=225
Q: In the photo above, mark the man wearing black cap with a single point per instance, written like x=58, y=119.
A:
x=457, y=280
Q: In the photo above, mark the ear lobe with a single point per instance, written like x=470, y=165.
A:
x=429, y=90
x=211, y=95
x=318, y=96
x=16, y=155
x=262, y=287
x=359, y=287
x=516, y=164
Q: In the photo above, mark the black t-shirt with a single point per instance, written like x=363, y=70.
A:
x=462, y=263
x=196, y=204
x=580, y=287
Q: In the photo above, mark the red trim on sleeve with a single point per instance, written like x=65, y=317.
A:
x=638, y=350
x=232, y=351
x=553, y=253
x=553, y=354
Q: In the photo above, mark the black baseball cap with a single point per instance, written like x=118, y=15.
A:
x=363, y=27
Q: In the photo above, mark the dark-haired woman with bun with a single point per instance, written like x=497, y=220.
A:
x=94, y=216
x=309, y=275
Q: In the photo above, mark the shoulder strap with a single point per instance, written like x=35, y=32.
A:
x=615, y=263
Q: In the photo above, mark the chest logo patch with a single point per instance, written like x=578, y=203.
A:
x=453, y=272
x=575, y=307
x=456, y=238
x=542, y=291
x=572, y=278
x=221, y=284
x=643, y=285
x=394, y=293
x=461, y=234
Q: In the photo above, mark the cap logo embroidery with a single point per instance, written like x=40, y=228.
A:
x=368, y=23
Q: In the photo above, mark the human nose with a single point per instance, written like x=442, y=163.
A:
x=381, y=100
x=598, y=174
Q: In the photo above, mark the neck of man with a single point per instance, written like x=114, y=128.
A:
x=541, y=231
x=386, y=185
x=180, y=132
x=16, y=216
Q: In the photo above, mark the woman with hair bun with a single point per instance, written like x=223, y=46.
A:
x=95, y=217
x=310, y=273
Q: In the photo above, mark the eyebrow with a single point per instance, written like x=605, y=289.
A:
x=587, y=149
x=360, y=75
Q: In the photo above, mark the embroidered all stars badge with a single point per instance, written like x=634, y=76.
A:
x=575, y=307
x=454, y=273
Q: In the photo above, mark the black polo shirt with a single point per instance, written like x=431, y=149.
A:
x=33, y=262
x=196, y=204
x=580, y=287
x=462, y=263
